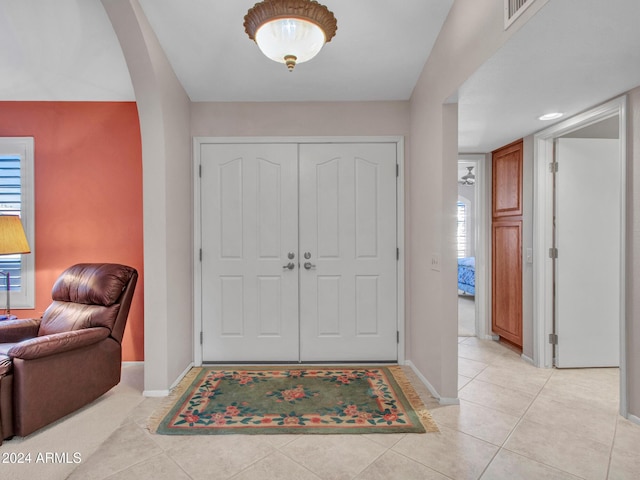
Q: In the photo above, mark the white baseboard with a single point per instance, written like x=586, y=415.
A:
x=633, y=419
x=164, y=393
x=181, y=376
x=155, y=393
x=432, y=390
x=527, y=359
x=126, y=364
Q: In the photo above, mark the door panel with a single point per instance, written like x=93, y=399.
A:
x=507, y=177
x=506, y=287
x=347, y=229
x=588, y=269
x=249, y=225
x=332, y=206
x=506, y=245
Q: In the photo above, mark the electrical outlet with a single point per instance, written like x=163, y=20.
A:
x=435, y=262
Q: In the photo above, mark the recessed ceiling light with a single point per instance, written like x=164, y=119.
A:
x=550, y=116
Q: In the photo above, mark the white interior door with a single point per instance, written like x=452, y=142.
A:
x=588, y=269
x=348, y=279
x=249, y=205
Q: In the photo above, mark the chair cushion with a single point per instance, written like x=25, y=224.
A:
x=65, y=316
x=92, y=284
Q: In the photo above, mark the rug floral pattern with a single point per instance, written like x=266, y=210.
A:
x=260, y=401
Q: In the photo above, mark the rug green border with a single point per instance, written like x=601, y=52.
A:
x=406, y=394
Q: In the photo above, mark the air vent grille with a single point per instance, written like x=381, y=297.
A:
x=513, y=9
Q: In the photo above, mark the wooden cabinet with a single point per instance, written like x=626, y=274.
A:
x=507, y=181
x=506, y=243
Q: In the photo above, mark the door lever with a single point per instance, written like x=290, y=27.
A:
x=309, y=265
x=289, y=266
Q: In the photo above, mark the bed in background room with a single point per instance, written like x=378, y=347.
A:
x=467, y=275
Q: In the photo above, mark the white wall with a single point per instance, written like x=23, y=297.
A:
x=163, y=108
x=633, y=254
x=473, y=31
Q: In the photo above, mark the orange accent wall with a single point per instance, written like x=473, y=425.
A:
x=88, y=193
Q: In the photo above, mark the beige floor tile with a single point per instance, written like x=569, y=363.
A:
x=582, y=419
x=513, y=402
x=160, y=467
x=470, y=368
x=216, y=456
x=589, y=397
x=627, y=436
x=126, y=447
x=624, y=466
x=334, y=457
x=277, y=466
x=479, y=353
x=462, y=381
x=481, y=422
x=511, y=466
x=564, y=450
x=599, y=387
x=567, y=429
x=451, y=453
x=387, y=440
x=392, y=465
x=515, y=375
x=277, y=441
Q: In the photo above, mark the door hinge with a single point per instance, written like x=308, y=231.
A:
x=553, y=167
x=397, y=253
x=553, y=339
x=200, y=338
x=397, y=170
x=553, y=252
x=397, y=336
x=200, y=170
x=200, y=255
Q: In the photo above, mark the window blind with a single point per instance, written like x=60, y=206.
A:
x=10, y=204
x=461, y=234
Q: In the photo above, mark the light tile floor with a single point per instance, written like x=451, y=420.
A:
x=514, y=422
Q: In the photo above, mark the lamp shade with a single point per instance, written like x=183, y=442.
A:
x=290, y=37
x=12, y=237
x=290, y=31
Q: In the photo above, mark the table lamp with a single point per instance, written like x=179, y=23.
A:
x=12, y=241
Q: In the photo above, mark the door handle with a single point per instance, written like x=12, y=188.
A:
x=289, y=266
x=309, y=265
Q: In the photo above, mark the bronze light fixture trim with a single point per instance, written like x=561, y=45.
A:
x=290, y=31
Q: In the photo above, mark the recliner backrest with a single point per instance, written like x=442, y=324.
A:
x=87, y=295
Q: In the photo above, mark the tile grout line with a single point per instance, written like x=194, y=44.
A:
x=613, y=441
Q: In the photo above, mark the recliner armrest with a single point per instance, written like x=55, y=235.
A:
x=13, y=331
x=57, y=343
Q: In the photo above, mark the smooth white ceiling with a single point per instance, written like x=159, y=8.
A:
x=377, y=54
x=571, y=55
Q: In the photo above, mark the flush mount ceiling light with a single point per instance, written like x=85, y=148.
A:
x=290, y=31
x=550, y=116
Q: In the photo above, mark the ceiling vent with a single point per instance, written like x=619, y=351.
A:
x=513, y=9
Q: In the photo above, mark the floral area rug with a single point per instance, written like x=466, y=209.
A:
x=213, y=401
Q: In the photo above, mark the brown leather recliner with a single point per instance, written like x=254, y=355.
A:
x=52, y=366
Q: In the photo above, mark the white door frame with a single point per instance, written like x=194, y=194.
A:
x=480, y=239
x=543, y=232
x=197, y=232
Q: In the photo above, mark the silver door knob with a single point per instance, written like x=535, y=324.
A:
x=289, y=266
x=309, y=265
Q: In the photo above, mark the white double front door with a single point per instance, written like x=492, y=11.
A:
x=298, y=252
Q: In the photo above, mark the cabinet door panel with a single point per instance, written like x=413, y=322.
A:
x=507, y=181
x=506, y=315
